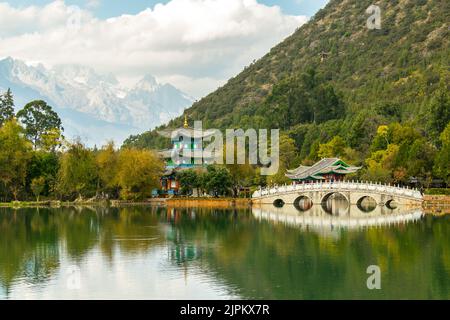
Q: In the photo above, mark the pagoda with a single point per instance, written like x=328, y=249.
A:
x=327, y=170
x=186, y=153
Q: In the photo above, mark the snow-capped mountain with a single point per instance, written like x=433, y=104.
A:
x=93, y=106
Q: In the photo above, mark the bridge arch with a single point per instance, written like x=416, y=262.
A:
x=279, y=203
x=335, y=208
x=334, y=193
x=392, y=204
x=366, y=204
x=303, y=203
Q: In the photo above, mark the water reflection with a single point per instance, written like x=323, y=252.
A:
x=173, y=253
x=317, y=217
x=303, y=203
x=368, y=204
x=336, y=212
x=335, y=204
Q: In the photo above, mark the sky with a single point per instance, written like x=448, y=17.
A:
x=195, y=45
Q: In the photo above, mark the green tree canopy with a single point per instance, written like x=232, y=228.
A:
x=189, y=180
x=439, y=111
x=40, y=122
x=37, y=186
x=78, y=173
x=442, y=160
x=43, y=164
x=218, y=180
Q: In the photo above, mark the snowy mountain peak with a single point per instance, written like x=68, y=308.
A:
x=147, y=83
x=79, y=93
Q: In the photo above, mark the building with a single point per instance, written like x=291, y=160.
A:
x=186, y=152
x=327, y=169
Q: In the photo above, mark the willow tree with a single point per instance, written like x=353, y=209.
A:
x=77, y=175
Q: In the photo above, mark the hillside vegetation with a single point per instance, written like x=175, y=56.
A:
x=378, y=98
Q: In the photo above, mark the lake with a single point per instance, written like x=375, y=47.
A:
x=260, y=253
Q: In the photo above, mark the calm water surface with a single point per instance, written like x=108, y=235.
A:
x=267, y=253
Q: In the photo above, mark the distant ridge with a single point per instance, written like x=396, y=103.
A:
x=375, y=72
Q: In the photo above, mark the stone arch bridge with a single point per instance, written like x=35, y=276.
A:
x=354, y=193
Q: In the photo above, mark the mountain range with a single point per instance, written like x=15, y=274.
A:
x=93, y=106
x=358, y=77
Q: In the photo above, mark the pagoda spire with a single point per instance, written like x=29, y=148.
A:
x=186, y=124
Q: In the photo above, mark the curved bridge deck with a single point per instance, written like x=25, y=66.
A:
x=352, y=191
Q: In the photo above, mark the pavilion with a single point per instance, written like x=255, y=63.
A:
x=187, y=146
x=327, y=169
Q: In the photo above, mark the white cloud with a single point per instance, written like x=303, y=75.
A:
x=196, y=43
x=92, y=3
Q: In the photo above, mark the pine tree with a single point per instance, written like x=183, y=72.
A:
x=6, y=107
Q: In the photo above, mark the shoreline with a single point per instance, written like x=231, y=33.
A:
x=436, y=204
x=167, y=202
x=432, y=204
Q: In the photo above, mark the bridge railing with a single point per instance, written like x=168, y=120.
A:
x=340, y=185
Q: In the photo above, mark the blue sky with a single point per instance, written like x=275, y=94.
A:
x=110, y=8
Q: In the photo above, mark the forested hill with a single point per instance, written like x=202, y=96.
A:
x=335, y=76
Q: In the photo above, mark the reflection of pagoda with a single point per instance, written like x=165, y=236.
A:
x=186, y=153
x=328, y=169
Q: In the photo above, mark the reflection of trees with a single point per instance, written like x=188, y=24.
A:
x=273, y=261
x=31, y=239
x=19, y=253
x=212, y=227
x=258, y=259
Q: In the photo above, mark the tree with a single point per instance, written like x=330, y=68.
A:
x=138, y=173
x=242, y=175
x=328, y=104
x=442, y=160
x=77, y=175
x=362, y=129
x=288, y=160
x=51, y=140
x=334, y=148
x=380, y=165
x=15, y=153
x=6, y=107
x=383, y=132
x=107, y=161
x=439, y=111
x=37, y=186
x=419, y=157
x=43, y=164
x=400, y=175
x=218, y=180
x=40, y=121
x=189, y=180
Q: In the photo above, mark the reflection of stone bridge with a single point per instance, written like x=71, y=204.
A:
x=354, y=218
x=353, y=192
